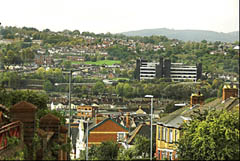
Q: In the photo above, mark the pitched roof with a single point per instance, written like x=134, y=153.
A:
x=102, y=122
x=143, y=130
x=176, y=118
x=50, y=118
x=140, y=111
x=134, y=132
x=23, y=106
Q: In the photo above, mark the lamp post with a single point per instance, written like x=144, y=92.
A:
x=238, y=48
x=69, y=98
x=87, y=143
x=150, y=96
x=70, y=114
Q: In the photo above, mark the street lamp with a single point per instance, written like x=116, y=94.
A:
x=87, y=143
x=150, y=96
x=69, y=103
x=238, y=48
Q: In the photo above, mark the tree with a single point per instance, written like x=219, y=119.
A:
x=212, y=135
x=98, y=88
x=47, y=85
x=127, y=90
x=107, y=150
x=142, y=146
x=119, y=89
x=9, y=98
x=126, y=154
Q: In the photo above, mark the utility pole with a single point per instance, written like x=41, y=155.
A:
x=70, y=115
x=87, y=143
x=150, y=96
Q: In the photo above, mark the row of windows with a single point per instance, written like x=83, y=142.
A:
x=166, y=155
x=147, y=73
x=193, y=70
x=84, y=108
x=166, y=134
x=147, y=68
x=183, y=74
x=85, y=113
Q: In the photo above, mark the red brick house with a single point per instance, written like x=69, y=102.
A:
x=107, y=130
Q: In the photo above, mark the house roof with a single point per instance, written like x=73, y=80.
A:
x=50, y=118
x=140, y=111
x=176, y=118
x=23, y=106
x=93, y=126
x=143, y=130
x=134, y=132
x=102, y=122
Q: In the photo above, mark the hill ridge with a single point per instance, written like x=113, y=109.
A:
x=187, y=34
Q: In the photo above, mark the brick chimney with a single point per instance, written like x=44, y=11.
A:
x=99, y=118
x=229, y=91
x=127, y=120
x=196, y=99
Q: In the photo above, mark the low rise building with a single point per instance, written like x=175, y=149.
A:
x=86, y=111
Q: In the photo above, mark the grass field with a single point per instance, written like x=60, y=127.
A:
x=100, y=62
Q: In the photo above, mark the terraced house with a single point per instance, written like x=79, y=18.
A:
x=167, y=136
x=168, y=129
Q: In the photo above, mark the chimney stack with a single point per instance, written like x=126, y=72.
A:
x=127, y=120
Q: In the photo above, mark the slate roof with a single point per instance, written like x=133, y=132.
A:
x=143, y=130
x=176, y=118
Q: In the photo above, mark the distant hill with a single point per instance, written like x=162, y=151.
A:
x=187, y=35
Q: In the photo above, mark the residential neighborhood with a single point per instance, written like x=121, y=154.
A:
x=119, y=80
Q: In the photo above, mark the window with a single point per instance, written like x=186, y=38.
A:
x=163, y=133
x=120, y=136
x=164, y=155
x=170, y=155
x=170, y=135
x=176, y=132
x=166, y=131
x=159, y=131
x=159, y=155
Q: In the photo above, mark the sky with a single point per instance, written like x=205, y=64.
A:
x=116, y=16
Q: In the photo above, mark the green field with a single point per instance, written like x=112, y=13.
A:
x=100, y=62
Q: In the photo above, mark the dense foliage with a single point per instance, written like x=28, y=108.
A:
x=107, y=150
x=9, y=98
x=212, y=135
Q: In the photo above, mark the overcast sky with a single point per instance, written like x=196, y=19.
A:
x=101, y=16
